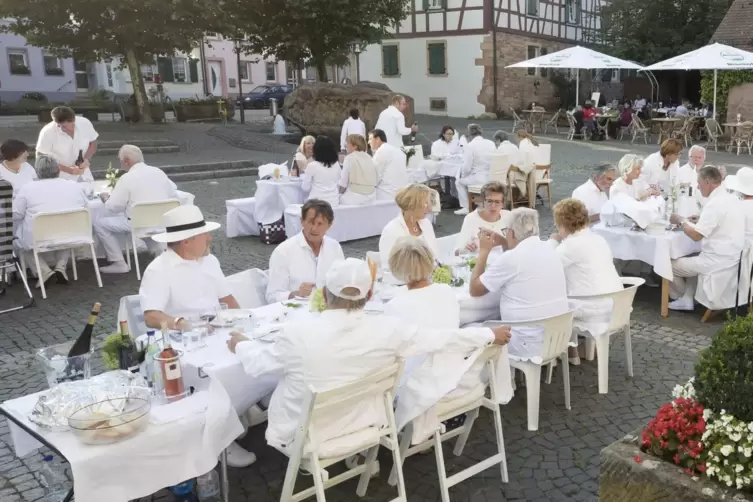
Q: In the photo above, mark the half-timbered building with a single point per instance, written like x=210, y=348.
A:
x=442, y=53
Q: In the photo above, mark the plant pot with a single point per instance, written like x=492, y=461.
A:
x=132, y=113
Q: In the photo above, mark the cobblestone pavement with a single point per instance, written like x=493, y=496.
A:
x=559, y=462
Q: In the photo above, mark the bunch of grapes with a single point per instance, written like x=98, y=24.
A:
x=472, y=263
x=441, y=275
x=317, y=301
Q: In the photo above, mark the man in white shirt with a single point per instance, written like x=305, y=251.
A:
x=682, y=110
x=594, y=192
x=662, y=169
x=300, y=264
x=68, y=138
x=721, y=228
x=529, y=275
x=688, y=174
x=338, y=347
x=352, y=125
x=392, y=122
x=186, y=282
x=639, y=104
x=477, y=160
x=140, y=183
x=390, y=163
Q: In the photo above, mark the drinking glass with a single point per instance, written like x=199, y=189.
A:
x=222, y=313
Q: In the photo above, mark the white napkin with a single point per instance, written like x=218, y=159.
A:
x=172, y=412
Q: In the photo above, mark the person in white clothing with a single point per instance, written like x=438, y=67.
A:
x=140, y=183
x=525, y=162
x=639, y=104
x=49, y=193
x=323, y=174
x=742, y=183
x=359, y=178
x=630, y=182
x=414, y=202
x=721, y=228
x=477, y=159
x=390, y=163
x=392, y=122
x=689, y=172
x=14, y=169
x=352, y=125
x=300, y=264
x=69, y=138
x=506, y=147
x=340, y=346
x=662, y=169
x=594, y=192
x=304, y=155
x=490, y=215
x=446, y=146
x=588, y=263
x=528, y=274
x=187, y=282
x=682, y=110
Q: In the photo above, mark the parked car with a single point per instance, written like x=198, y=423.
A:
x=259, y=96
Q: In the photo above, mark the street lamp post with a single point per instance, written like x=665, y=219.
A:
x=357, y=52
x=240, y=84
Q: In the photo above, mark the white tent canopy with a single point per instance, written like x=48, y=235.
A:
x=578, y=58
x=712, y=57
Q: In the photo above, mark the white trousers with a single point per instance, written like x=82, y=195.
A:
x=48, y=260
x=685, y=271
x=108, y=230
x=461, y=184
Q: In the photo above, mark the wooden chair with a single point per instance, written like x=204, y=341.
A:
x=743, y=137
x=517, y=122
x=638, y=129
x=713, y=132
x=683, y=133
x=554, y=121
x=573, y=128
x=543, y=163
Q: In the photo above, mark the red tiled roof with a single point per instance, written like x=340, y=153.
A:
x=736, y=29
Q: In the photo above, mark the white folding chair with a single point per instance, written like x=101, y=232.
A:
x=248, y=288
x=448, y=408
x=313, y=455
x=8, y=259
x=542, y=161
x=58, y=230
x=622, y=306
x=147, y=220
x=130, y=310
x=557, y=333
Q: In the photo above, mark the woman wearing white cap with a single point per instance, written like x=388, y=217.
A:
x=742, y=183
x=186, y=281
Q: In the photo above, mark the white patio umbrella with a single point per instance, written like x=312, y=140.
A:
x=712, y=57
x=578, y=58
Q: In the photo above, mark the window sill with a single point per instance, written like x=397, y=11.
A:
x=21, y=74
x=54, y=74
x=391, y=76
x=437, y=75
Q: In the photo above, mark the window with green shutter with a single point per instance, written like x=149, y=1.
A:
x=165, y=69
x=437, y=61
x=390, y=61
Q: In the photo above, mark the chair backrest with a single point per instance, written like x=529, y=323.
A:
x=557, y=333
x=248, y=288
x=130, y=310
x=6, y=222
x=637, y=122
x=622, y=301
x=555, y=117
x=515, y=115
x=543, y=155
x=151, y=214
x=712, y=127
x=446, y=246
x=61, y=225
x=499, y=166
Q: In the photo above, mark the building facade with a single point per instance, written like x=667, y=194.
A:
x=443, y=53
x=25, y=68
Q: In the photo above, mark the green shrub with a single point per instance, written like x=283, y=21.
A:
x=724, y=373
x=34, y=96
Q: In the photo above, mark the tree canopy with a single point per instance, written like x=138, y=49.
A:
x=93, y=30
x=649, y=31
x=322, y=30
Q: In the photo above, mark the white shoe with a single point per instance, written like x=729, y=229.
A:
x=119, y=267
x=461, y=212
x=575, y=361
x=239, y=457
x=682, y=304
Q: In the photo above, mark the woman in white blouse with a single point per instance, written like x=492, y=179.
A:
x=303, y=156
x=359, y=178
x=490, y=215
x=446, y=146
x=589, y=267
x=414, y=202
x=527, y=145
x=14, y=168
x=323, y=173
x=630, y=183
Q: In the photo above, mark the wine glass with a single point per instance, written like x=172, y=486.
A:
x=222, y=313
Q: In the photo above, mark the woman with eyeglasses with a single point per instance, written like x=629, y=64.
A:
x=491, y=215
x=446, y=146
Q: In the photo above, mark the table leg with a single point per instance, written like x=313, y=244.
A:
x=664, y=298
x=224, y=482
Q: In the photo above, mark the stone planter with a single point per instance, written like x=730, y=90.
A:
x=622, y=479
x=132, y=114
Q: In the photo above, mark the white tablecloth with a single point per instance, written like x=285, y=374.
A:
x=433, y=169
x=272, y=197
x=656, y=250
x=162, y=455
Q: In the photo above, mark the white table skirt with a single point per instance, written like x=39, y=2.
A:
x=656, y=250
x=241, y=219
x=351, y=222
x=272, y=197
x=162, y=455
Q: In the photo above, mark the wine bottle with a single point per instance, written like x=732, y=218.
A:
x=127, y=351
x=84, y=342
x=80, y=159
x=413, y=134
x=172, y=376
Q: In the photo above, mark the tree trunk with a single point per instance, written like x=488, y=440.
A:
x=139, y=89
x=321, y=71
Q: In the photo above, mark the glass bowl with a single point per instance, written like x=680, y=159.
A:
x=111, y=420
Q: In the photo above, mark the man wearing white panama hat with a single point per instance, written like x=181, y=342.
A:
x=187, y=280
x=742, y=183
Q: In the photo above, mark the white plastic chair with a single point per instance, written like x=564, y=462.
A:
x=498, y=168
x=557, y=333
x=313, y=454
x=249, y=287
x=146, y=220
x=622, y=307
x=58, y=230
x=469, y=403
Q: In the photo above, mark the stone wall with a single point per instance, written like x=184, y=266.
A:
x=517, y=89
x=740, y=100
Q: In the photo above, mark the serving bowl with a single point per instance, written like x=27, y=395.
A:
x=111, y=420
